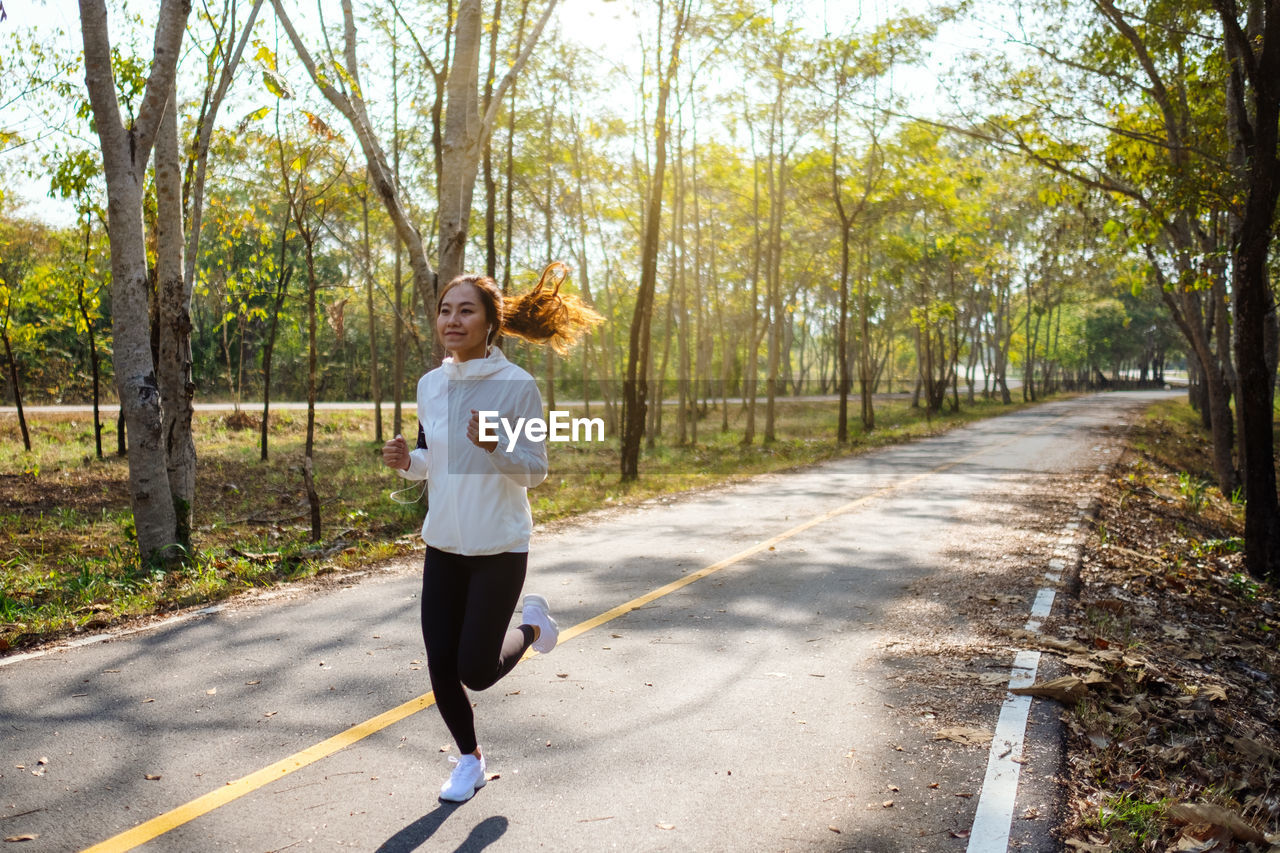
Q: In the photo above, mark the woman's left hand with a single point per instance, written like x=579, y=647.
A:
x=473, y=433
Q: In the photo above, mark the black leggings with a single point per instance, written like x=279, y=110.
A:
x=467, y=604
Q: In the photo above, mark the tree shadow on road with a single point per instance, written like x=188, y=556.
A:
x=418, y=833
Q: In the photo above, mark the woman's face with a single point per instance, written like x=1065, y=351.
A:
x=461, y=323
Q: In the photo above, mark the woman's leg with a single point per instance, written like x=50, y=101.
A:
x=444, y=604
x=488, y=650
x=467, y=604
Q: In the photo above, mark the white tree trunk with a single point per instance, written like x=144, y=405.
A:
x=177, y=390
x=125, y=152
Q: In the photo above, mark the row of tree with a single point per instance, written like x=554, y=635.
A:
x=747, y=208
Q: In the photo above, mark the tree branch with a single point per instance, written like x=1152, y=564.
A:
x=1237, y=38
x=1159, y=91
x=164, y=68
x=99, y=75
x=206, y=134
x=490, y=117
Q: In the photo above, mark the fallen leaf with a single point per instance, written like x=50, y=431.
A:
x=834, y=829
x=1213, y=693
x=1254, y=749
x=1047, y=642
x=152, y=777
x=1068, y=690
x=251, y=683
x=1085, y=847
x=1191, y=844
x=959, y=833
x=30, y=836
x=1190, y=813
x=270, y=713
x=964, y=735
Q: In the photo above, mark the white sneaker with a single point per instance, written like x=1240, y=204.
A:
x=536, y=612
x=466, y=779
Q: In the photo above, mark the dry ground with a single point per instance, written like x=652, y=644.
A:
x=1172, y=721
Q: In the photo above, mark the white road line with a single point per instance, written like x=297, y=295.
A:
x=994, y=817
x=990, y=833
x=1040, y=609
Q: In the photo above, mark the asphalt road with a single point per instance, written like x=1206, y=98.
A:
x=832, y=622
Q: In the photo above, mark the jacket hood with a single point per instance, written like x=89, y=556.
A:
x=475, y=368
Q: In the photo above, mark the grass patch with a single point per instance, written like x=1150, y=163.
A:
x=68, y=562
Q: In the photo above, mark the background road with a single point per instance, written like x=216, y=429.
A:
x=788, y=700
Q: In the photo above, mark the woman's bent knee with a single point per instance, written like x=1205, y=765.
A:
x=477, y=681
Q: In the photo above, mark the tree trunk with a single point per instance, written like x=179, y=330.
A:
x=1255, y=76
x=17, y=389
x=177, y=388
x=313, y=499
x=94, y=365
x=375, y=379
x=125, y=154
x=635, y=387
x=866, y=380
x=842, y=335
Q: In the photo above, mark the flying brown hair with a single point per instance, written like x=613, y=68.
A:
x=542, y=315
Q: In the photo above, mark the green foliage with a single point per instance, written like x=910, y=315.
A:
x=1244, y=587
x=1193, y=491
x=1130, y=819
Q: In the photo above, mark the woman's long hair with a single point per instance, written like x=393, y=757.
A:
x=542, y=315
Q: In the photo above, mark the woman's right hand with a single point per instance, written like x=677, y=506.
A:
x=395, y=454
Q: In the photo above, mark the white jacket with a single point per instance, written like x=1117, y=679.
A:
x=477, y=501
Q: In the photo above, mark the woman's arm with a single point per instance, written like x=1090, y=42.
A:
x=524, y=463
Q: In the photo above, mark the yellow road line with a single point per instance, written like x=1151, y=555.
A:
x=202, y=805
x=158, y=826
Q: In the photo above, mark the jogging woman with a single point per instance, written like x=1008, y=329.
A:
x=478, y=520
